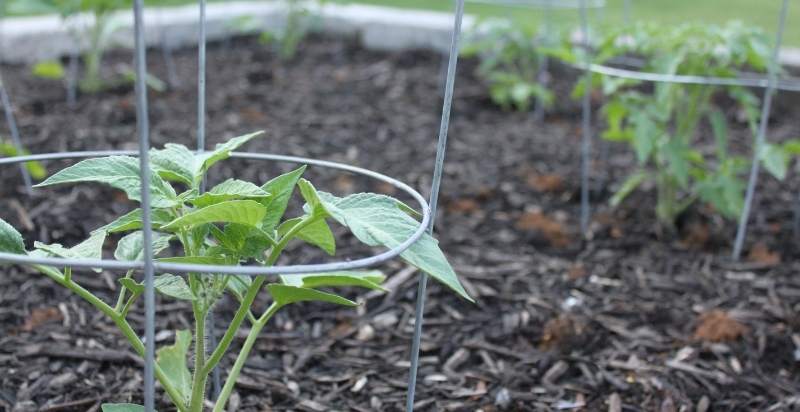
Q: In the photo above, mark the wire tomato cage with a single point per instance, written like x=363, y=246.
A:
x=771, y=83
x=148, y=265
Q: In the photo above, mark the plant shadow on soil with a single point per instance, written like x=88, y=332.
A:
x=623, y=319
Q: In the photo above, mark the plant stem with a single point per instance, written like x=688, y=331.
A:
x=238, y=318
x=121, y=297
x=91, y=80
x=245, y=352
x=200, y=377
x=121, y=323
x=250, y=296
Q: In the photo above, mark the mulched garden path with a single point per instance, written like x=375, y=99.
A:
x=628, y=320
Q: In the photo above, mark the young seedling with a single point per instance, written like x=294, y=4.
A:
x=36, y=169
x=234, y=222
x=663, y=125
x=98, y=34
x=511, y=61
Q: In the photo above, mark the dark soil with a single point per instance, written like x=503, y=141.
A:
x=627, y=320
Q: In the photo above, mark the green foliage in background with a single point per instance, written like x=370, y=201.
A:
x=36, y=169
x=511, y=60
x=663, y=122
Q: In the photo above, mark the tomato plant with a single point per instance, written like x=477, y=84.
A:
x=232, y=223
x=511, y=60
x=663, y=123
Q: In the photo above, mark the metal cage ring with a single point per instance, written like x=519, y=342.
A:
x=232, y=269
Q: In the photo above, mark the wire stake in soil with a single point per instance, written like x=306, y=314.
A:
x=586, y=125
x=142, y=127
x=741, y=231
x=12, y=127
x=441, y=148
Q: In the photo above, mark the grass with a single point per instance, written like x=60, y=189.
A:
x=762, y=13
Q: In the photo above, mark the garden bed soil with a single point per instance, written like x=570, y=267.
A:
x=626, y=320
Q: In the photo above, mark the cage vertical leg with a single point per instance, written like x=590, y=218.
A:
x=72, y=77
x=435, y=186
x=169, y=61
x=586, y=125
x=14, y=130
x=143, y=131
x=763, y=125
x=211, y=327
x=12, y=122
x=541, y=75
x=626, y=13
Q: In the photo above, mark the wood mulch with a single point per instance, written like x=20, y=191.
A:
x=627, y=320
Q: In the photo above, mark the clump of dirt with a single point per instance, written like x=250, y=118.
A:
x=563, y=333
x=551, y=229
x=718, y=326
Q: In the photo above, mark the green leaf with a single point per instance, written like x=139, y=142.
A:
x=775, y=160
x=133, y=220
x=792, y=147
x=631, y=183
x=166, y=284
x=132, y=285
x=49, y=69
x=173, y=286
x=644, y=138
x=719, y=126
x=281, y=189
x=284, y=295
x=370, y=279
x=175, y=162
x=221, y=152
x=10, y=239
x=377, y=220
x=131, y=247
x=245, y=212
x=172, y=360
x=121, y=407
x=238, y=285
x=310, y=195
x=120, y=172
x=36, y=169
x=196, y=260
x=316, y=233
x=91, y=248
x=677, y=154
x=230, y=189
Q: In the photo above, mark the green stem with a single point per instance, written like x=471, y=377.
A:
x=124, y=312
x=250, y=296
x=240, y=360
x=121, y=323
x=200, y=377
x=238, y=318
x=122, y=293
x=91, y=81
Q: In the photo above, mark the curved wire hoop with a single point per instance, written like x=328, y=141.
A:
x=542, y=4
x=788, y=84
x=233, y=269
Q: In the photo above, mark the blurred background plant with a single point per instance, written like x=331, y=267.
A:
x=662, y=122
x=512, y=63
x=285, y=40
x=36, y=169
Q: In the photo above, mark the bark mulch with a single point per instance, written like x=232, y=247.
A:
x=628, y=320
